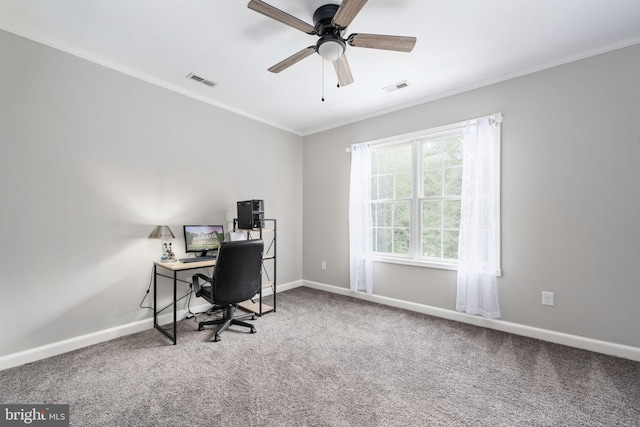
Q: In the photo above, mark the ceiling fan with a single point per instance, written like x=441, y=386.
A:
x=330, y=23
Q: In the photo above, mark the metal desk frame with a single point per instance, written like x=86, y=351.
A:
x=174, y=267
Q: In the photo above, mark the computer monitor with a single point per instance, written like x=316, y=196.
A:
x=203, y=238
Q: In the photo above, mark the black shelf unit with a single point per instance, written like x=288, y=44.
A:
x=268, y=234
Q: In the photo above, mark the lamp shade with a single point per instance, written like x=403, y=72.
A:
x=161, y=232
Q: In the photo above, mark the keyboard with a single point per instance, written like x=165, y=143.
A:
x=198, y=258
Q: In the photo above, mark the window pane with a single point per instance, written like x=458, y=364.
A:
x=401, y=241
x=431, y=214
x=383, y=240
x=453, y=182
x=383, y=215
x=374, y=188
x=402, y=158
x=402, y=214
x=403, y=186
x=432, y=154
x=451, y=214
x=385, y=161
x=450, y=244
x=431, y=243
x=374, y=239
x=374, y=163
x=374, y=215
x=432, y=185
x=453, y=151
x=385, y=183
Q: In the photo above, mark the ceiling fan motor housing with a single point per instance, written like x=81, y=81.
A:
x=322, y=18
x=331, y=44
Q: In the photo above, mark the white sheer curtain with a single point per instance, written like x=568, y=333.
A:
x=478, y=257
x=360, y=245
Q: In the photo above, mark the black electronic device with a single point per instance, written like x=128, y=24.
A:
x=251, y=214
x=203, y=238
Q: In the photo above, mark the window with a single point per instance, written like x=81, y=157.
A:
x=391, y=194
x=441, y=171
x=416, y=187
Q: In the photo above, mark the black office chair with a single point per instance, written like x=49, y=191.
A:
x=237, y=277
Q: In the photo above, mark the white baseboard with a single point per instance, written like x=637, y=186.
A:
x=53, y=349
x=283, y=287
x=576, y=341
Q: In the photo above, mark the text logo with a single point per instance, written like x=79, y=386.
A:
x=34, y=415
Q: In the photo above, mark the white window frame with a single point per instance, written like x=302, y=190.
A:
x=414, y=258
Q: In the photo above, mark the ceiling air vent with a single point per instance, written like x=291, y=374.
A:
x=394, y=87
x=201, y=80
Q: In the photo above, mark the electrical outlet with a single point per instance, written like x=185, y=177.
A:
x=323, y=265
x=547, y=298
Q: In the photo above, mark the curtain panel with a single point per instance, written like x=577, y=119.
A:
x=478, y=247
x=360, y=244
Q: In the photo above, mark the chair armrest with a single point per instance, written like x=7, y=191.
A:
x=196, y=282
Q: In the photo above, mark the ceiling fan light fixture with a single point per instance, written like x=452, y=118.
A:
x=330, y=47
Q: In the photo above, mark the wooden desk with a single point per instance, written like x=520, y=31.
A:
x=174, y=267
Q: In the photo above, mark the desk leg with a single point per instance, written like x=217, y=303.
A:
x=175, y=307
x=155, y=293
x=173, y=337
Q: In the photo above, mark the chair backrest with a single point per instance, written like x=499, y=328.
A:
x=238, y=271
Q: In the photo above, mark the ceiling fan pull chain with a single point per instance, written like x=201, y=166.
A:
x=338, y=70
x=322, y=80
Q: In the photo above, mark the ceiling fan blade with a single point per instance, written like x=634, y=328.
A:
x=347, y=12
x=296, y=57
x=278, y=15
x=343, y=71
x=379, y=41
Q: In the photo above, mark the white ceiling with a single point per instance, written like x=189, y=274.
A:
x=461, y=44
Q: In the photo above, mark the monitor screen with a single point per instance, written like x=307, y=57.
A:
x=203, y=238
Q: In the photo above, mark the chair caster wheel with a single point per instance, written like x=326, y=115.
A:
x=253, y=330
x=216, y=338
x=200, y=328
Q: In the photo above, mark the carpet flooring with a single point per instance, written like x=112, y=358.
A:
x=329, y=360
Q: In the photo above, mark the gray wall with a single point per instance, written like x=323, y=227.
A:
x=570, y=204
x=90, y=161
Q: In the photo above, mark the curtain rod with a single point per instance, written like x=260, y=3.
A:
x=495, y=118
